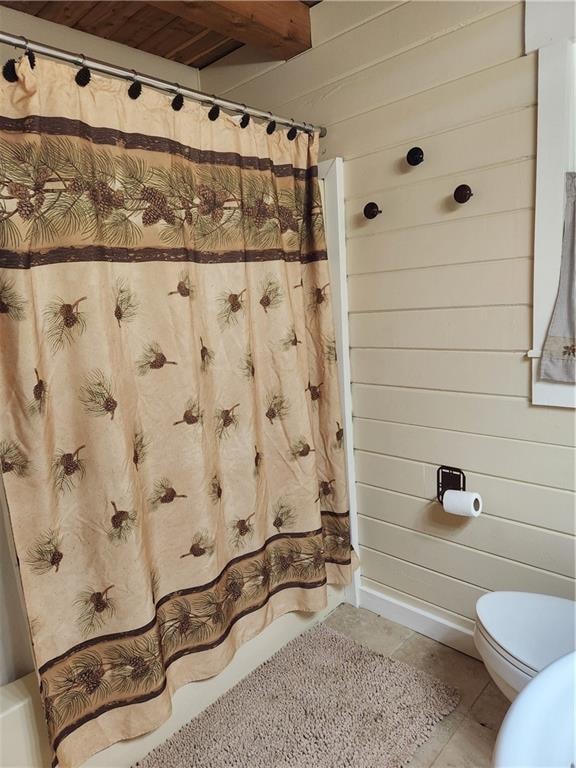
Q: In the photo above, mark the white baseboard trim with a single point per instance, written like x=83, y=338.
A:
x=425, y=622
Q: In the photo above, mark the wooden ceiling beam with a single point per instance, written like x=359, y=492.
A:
x=280, y=28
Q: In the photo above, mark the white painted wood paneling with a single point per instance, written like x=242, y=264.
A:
x=456, y=55
x=481, y=569
x=377, y=45
x=551, y=465
x=482, y=414
x=491, y=91
x=430, y=585
x=328, y=19
x=497, y=373
x=484, y=328
x=547, y=550
x=496, y=188
x=334, y=17
x=500, y=139
x=527, y=503
x=459, y=285
x=509, y=235
x=239, y=67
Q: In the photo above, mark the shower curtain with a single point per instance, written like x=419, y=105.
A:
x=170, y=437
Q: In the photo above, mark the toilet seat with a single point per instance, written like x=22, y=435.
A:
x=518, y=634
x=527, y=630
x=501, y=652
x=508, y=677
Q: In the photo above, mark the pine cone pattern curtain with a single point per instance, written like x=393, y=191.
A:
x=171, y=441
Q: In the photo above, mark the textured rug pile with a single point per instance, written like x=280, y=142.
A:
x=323, y=701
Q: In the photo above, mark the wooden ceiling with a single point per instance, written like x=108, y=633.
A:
x=192, y=33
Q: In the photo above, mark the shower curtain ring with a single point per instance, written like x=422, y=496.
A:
x=271, y=127
x=292, y=133
x=83, y=75
x=178, y=100
x=136, y=88
x=214, y=112
x=245, y=117
x=30, y=55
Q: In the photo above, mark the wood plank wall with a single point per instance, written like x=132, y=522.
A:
x=439, y=294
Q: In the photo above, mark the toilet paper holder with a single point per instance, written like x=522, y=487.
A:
x=449, y=479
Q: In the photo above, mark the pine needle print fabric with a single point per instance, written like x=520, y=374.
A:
x=171, y=445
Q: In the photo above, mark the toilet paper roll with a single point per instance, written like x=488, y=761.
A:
x=465, y=503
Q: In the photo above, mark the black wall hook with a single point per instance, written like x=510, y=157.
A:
x=415, y=156
x=462, y=194
x=371, y=210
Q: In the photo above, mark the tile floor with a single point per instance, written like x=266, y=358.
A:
x=466, y=737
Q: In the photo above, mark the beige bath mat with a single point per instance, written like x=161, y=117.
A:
x=323, y=701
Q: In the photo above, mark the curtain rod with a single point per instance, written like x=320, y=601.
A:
x=152, y=82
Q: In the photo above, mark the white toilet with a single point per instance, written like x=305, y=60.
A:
x=519, y=633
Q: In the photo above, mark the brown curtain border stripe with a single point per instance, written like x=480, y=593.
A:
x=117, y=703
x=63, y=126
x=188, y=644
x=28, y=259
x=192, y=590
x=102, y=710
